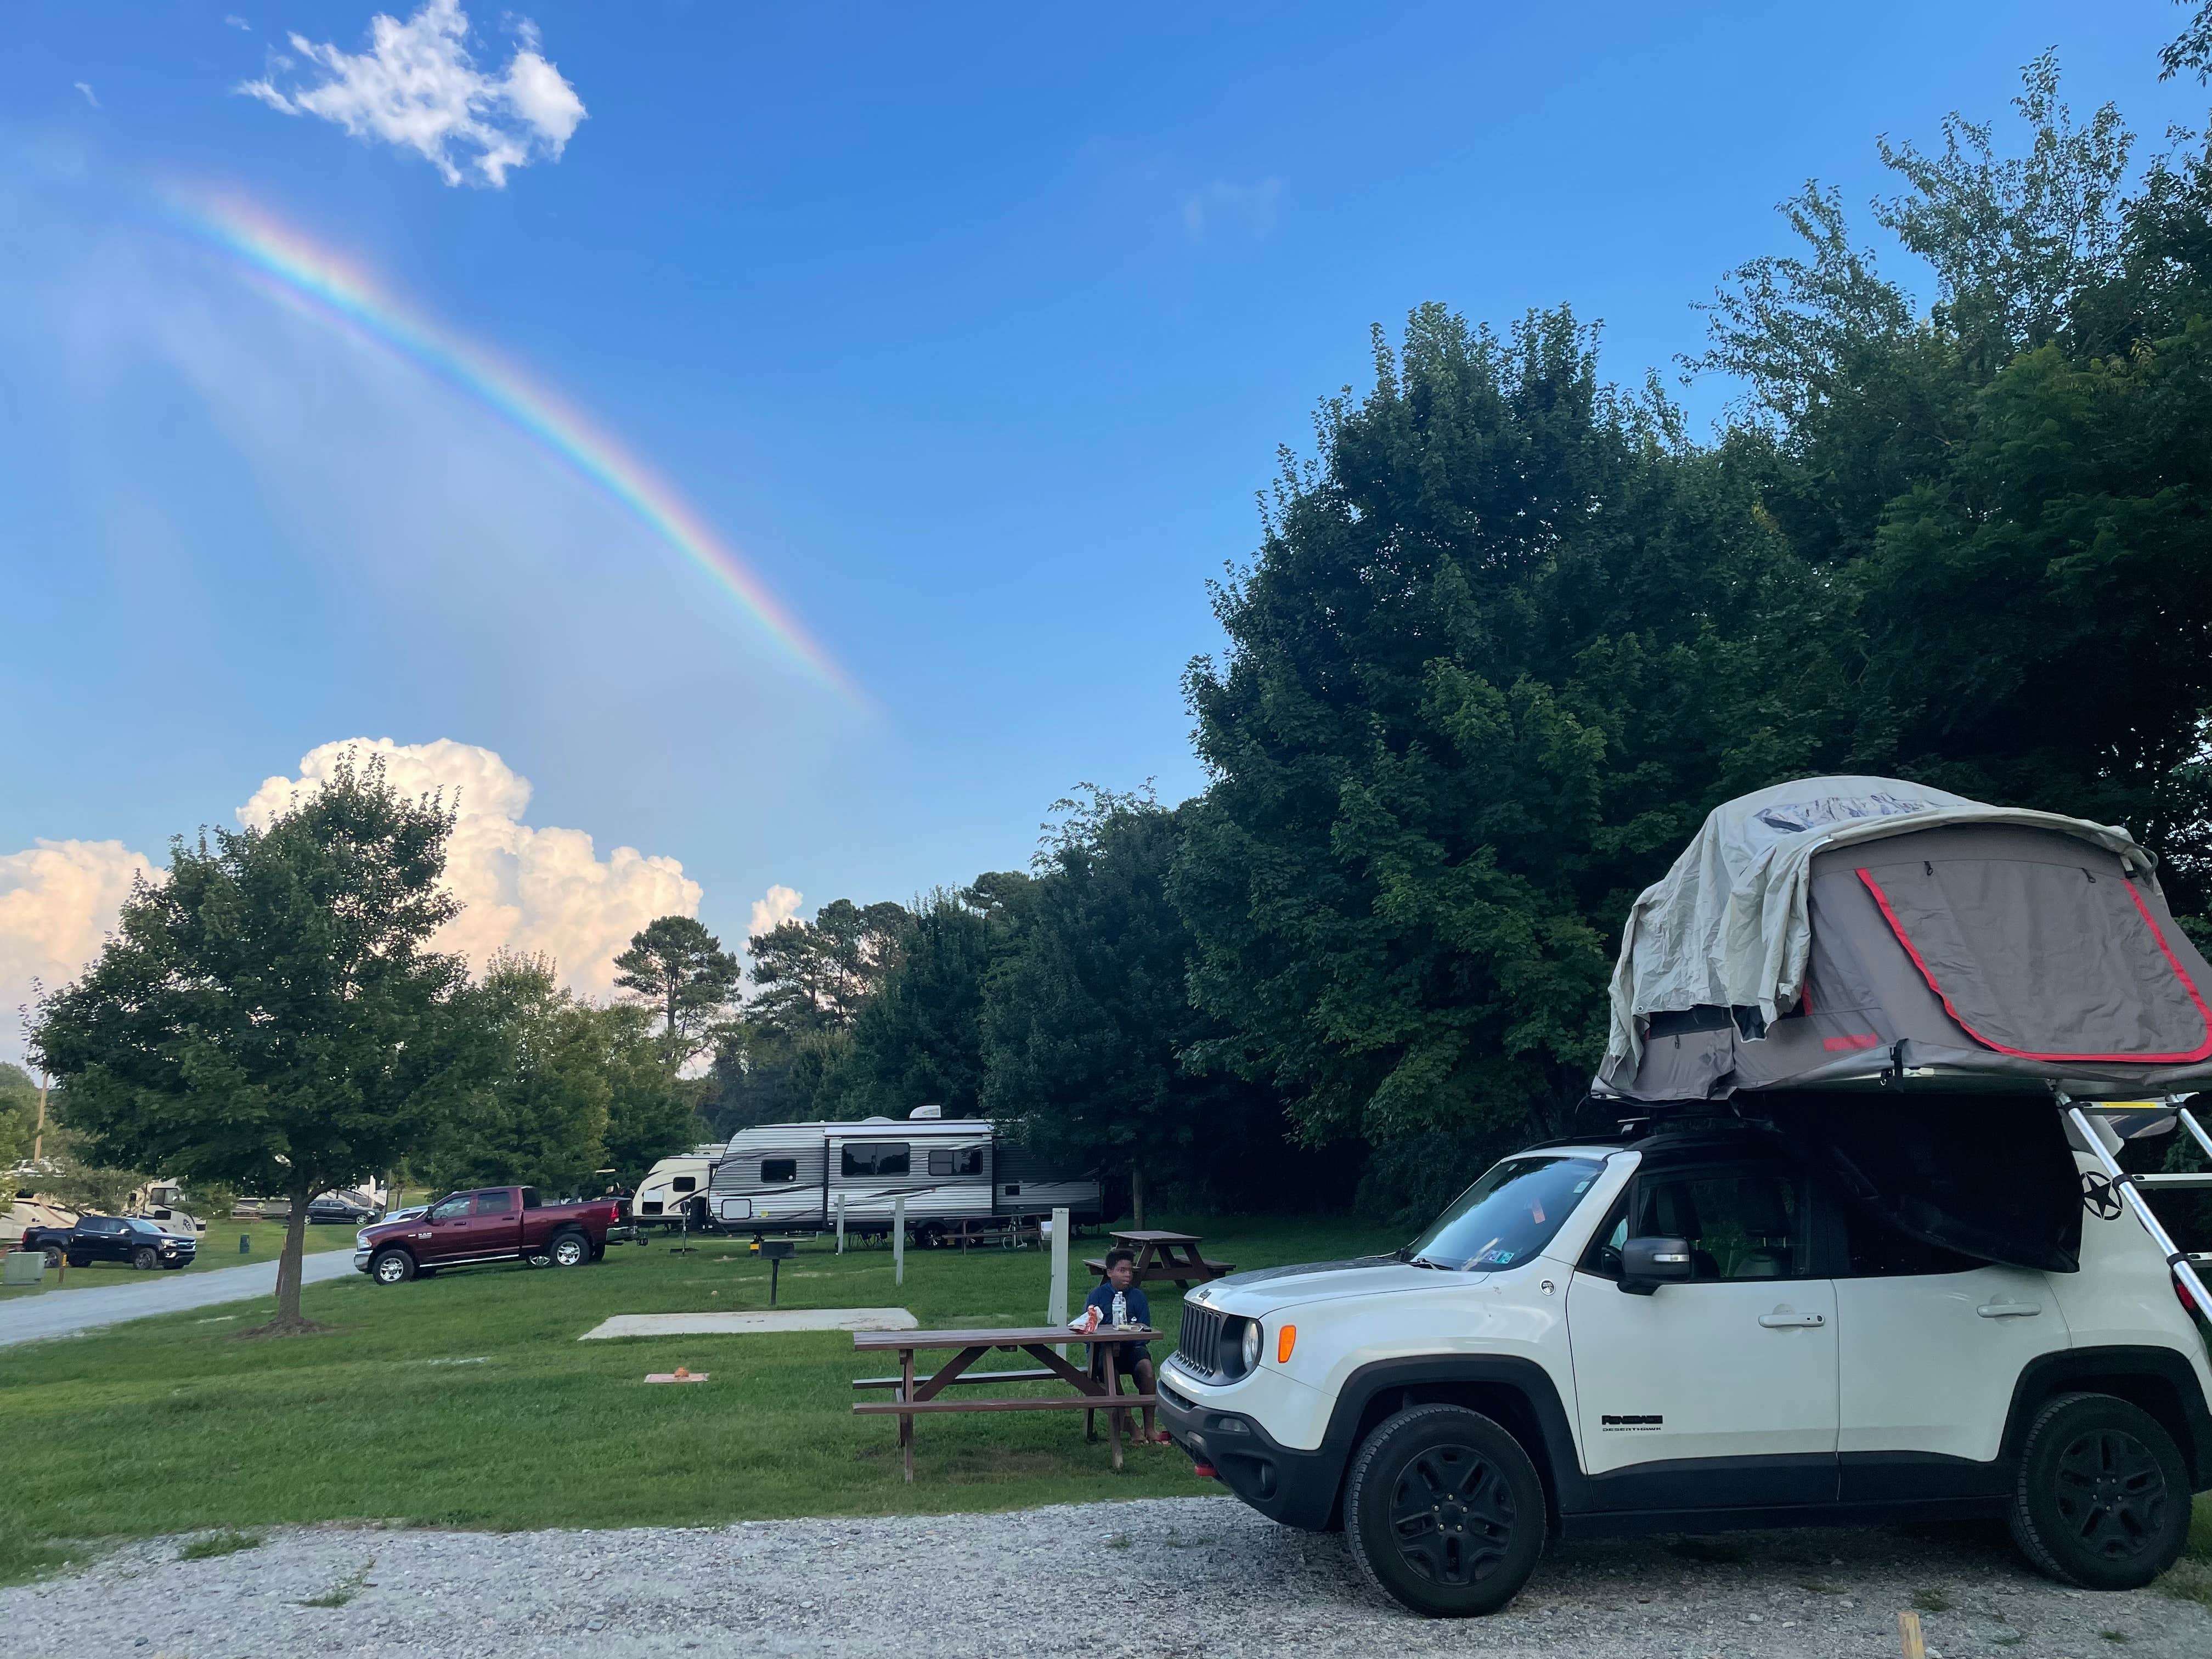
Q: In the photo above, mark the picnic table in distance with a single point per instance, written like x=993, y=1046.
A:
x=1162, y=1256
x=913, y=1395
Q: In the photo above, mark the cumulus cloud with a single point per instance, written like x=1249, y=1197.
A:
x=85, y=87
x=419, y=88
x=772, y=909
x=58, y=902
x=522, y=889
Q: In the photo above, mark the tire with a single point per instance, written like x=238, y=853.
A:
x=80, y=1261
x=145, y=1258
x=2101, y=1499
x=599, y=1253
x=392, y=1267
x=53, y=1254
x=1444, y=1512
x=570, y=1250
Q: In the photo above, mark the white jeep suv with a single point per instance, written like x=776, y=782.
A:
x=1749, y=1354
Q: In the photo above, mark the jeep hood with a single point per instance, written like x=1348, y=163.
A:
x=1271, y=1289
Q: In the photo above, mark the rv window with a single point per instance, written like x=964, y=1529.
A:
x=781, y=1168
x=876, y=1157
x=684, y=1184
x=498, y=1203
x=960, y=1161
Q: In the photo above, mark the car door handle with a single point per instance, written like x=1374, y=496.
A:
x=2009, y=1309
x=1783, y=1321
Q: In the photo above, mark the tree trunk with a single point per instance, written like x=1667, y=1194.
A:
x=289, y=1321
x=1137, y=1196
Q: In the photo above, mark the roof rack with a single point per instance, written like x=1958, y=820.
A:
x=2130, y=1190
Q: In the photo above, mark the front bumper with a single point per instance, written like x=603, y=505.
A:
x=361, y=1260
x=1298, y=1488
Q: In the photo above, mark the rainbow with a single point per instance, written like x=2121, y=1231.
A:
x=325, y=286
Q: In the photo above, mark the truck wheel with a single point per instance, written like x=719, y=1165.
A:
x=53, y=1254
x=1444, y=1512
x=391, y=1267
x=80, y=1261
x=145, y=1258
x=571, y=1250
x=2101, y=1499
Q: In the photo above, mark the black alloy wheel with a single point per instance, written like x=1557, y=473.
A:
x=53, y=1254
x=145, y=1258
x=2102, y=1499
x=1444, y=1512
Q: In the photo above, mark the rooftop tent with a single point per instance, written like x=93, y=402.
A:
x=1827, y=932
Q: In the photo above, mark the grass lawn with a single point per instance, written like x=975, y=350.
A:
x=218, y=1249
x=466, y=1400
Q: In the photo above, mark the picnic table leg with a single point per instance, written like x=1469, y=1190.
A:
x=1113, y=1412
x=906, y=1418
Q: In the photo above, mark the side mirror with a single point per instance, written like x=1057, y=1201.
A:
x=1647, y=1263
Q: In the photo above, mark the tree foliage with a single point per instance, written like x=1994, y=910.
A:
x=680, y=968
x=268, y=1017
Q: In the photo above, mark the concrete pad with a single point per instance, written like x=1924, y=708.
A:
x=749, y=1324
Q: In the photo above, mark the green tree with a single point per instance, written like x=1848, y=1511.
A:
x=270, y=1017
x=815, y=975
x=681, y=969
x=19, y=1115
x=650, y=1112
x=1508, y=638
x=920, y=1038
x=539, y=1116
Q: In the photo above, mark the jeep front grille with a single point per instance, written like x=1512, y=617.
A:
x=1200, y=1345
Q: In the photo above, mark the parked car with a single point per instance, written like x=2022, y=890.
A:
x=490, y=1224
x=1687, y=1332
x=330, y=1207
x=131, y=1239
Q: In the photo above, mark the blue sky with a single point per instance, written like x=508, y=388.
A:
x=974, y=330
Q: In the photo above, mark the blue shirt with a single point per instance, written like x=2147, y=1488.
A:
x=1135, y=1309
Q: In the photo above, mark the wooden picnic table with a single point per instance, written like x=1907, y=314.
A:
x=1162, y=1256
x=913, y=1395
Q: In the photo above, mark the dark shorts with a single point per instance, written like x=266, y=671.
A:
x=1126, y=1356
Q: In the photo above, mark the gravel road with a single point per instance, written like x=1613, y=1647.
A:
x=63, y=1313
x=1171, y=1577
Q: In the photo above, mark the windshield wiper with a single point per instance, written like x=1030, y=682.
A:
x=1424, y=1261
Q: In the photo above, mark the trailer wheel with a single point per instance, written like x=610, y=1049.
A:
x=391, y=1267
x=570, y=1250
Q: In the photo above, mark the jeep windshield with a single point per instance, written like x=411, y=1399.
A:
x=1506, y=1217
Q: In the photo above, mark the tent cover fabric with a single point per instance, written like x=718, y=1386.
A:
x=1835, y=931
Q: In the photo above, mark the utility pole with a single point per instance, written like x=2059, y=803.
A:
x=38, y=1135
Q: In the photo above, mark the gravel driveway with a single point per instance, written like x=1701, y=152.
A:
x=1164, y=1578
x=63, y=1313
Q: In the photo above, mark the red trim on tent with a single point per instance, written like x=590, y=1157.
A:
x=2202, y=1051
x=1856, y=1040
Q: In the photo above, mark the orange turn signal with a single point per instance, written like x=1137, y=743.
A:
x=1286, y=1339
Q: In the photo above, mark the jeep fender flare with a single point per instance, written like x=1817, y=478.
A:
x=2160, y=1380
x=1543, y=1427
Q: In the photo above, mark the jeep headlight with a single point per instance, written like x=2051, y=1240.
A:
x=1253, y=1343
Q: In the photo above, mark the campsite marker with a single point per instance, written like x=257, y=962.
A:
x=680, y=1375
x=1908, y=1629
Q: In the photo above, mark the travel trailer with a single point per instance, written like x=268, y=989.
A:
x=673, y=1186
x=955, y=1174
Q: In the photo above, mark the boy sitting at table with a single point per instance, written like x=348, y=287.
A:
x=1120, y=1302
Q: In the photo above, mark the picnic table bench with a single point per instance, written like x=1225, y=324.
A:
x=1162, y=1256
x=912, y=1395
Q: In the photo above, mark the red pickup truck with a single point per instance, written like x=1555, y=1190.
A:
x=492, y=1224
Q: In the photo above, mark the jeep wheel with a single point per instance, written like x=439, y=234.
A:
x=391, y=1267
x=571, y=1250
x=2102, y=1498
x=53, y=1254
x=1444, y=1512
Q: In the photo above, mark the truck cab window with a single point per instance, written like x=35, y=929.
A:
x=451, y=1210
x=779, y=1169
x=499, y=1203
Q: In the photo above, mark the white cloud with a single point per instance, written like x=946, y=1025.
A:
x=522, y=889
x=1249, y=209
x=85, y=87
x=58, y=902
x=237, y=23
x=770, y=911
x=417, y=87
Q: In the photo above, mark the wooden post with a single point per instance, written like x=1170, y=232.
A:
x=1908, y=1631
x=840, y=1223
x=1055, y=1302
x=906, y=1418
x=899, y=1240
